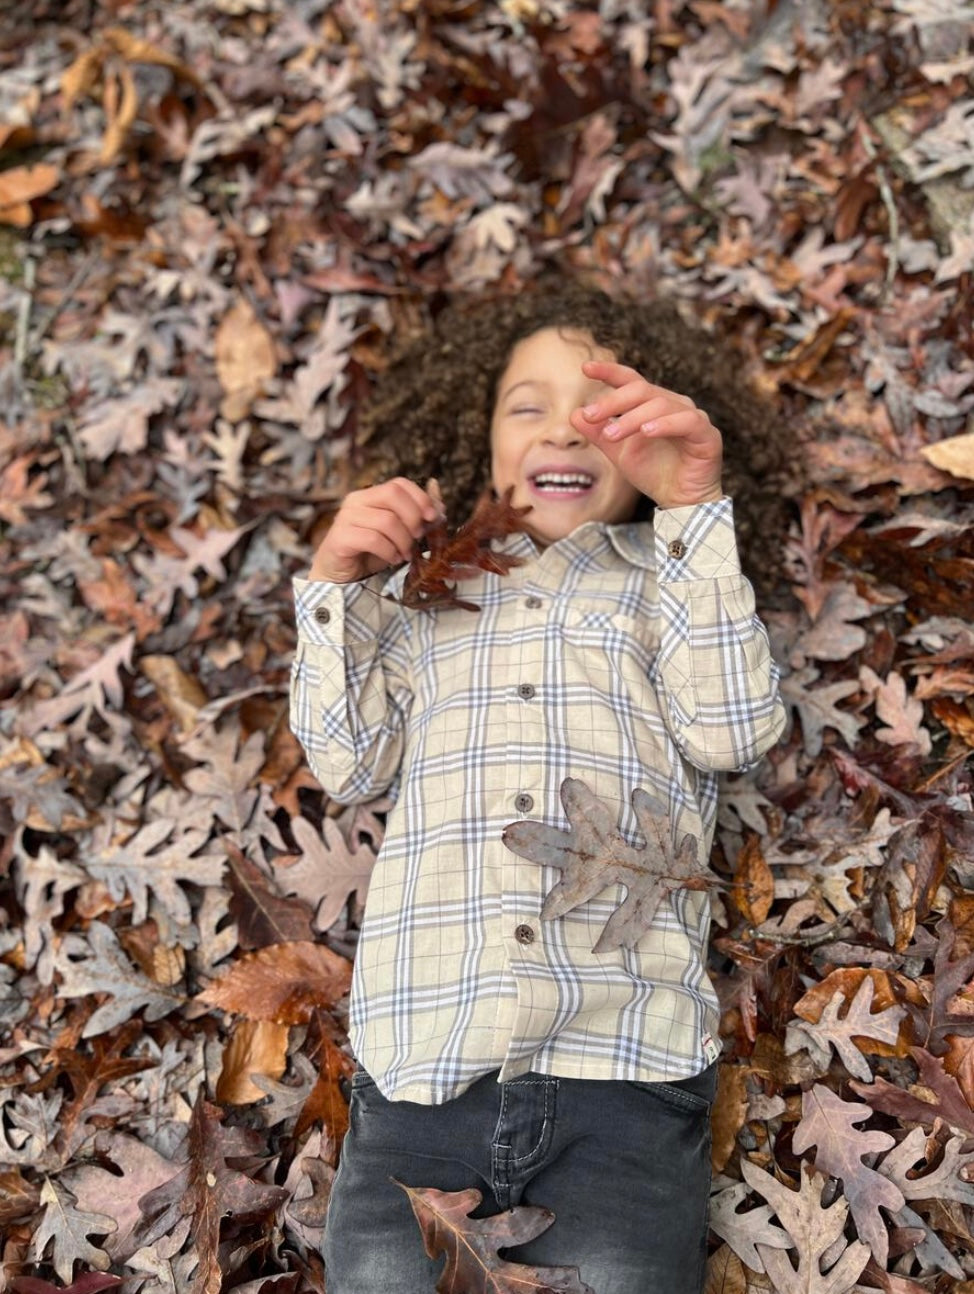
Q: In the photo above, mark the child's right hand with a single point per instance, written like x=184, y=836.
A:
x=375, y=528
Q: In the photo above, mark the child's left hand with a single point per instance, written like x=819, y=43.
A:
x=676, y=459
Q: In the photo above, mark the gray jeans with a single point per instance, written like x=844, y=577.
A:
x=625, y=1167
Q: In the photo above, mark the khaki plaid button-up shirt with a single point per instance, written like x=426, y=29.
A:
x=621, y=655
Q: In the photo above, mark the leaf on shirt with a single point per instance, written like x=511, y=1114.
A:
x=461, y=555
x=593, y=854
x=471, y=1244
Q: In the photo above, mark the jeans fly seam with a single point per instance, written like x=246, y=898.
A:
x=550, y=1089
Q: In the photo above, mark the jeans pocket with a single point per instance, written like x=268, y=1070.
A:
x=677, y=1096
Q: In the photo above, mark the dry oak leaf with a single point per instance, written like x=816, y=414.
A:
x=816, y=1234
x=858, y=1022
x=937, y=1096
x=817, y=710
x=463, y=555
x=941, y=1183
x=206, y=1189
x=87, y=1283
x=954, y=455
x=19, y=186
x=828, y=1123
x=245, y=359
x=329, y=870
x=69, y=1227
x=141, y=1169
x=256, y=1048
x=284, y=983
x=593, y=854
x=743, y=1232
x=471, y=1244
x=895, y=707
x=832, y=636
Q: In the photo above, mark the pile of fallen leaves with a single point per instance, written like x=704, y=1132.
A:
x=213, y=216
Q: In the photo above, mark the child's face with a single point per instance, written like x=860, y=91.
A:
x=535, y=448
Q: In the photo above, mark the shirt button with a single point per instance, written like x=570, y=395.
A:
x=524, y=803
x=525, y=691
x=676, y=548
x=524, y=934
x=532, y=602
x=322, y=615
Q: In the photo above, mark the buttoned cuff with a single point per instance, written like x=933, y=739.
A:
x=696, y=542
x=330, y=614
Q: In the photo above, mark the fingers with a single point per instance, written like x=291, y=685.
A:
x=376, y=527
x=632, y=397
x=690, y=425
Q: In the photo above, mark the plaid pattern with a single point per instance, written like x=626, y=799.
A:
x=622, y=655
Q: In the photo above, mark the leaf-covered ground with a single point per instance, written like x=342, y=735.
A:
x=213, y=216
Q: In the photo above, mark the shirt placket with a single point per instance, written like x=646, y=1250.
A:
x=523, y=933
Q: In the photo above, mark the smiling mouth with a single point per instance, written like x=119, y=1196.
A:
x=563, y=483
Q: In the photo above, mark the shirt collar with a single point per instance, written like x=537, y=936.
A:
x=632, y=540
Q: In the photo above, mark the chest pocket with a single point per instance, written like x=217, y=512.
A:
x=608, y=647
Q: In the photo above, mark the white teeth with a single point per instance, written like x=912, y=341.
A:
x=563, y=480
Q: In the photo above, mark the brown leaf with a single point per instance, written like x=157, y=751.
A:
x=725, y=1273
x=937, y=1096
x=326, y=1103
x=263, y=917
x=284, y=983
x=954, y=455
x=753, y=888
x=462, y=555
x=828, y=1123
x=848, y=1033
x=729, y=1112
x=255, y=1047
x=815, y=1231
x=181, y=694
x=206, y=1189
x=19, y=186
x=245, y=359
x=18, y=1197
x=473, y=1265
x=593, y=854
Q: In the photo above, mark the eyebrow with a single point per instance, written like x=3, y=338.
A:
x=527, y=381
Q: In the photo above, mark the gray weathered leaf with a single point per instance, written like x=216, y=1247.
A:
x=593, y=854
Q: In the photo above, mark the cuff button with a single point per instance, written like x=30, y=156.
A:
x=322, y=615
x=676, y=548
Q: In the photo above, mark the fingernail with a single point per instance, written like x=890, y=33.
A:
x=648, y=426
x=611, y=430
x=591, y=411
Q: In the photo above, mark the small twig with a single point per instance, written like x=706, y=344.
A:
x=79, y=276
x=892, y=215
x=826, y=935
x=23, y=315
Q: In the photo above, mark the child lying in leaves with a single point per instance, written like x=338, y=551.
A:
x=498, y=1050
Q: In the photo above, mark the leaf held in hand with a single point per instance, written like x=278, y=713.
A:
x=471, y=1244
x=593, y=854
x=461, y=555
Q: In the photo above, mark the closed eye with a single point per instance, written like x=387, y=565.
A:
x=526, y=409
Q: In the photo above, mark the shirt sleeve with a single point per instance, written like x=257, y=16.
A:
x=714, y=671
x=350, y=692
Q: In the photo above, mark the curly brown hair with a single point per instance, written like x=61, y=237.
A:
x=430, y=411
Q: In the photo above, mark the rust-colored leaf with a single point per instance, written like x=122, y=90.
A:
x=753, y=888
x=255, y=1047
x=284, y=983
x=473, y=1264
x=462, y=555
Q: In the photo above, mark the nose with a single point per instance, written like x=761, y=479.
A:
x=563, y=434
